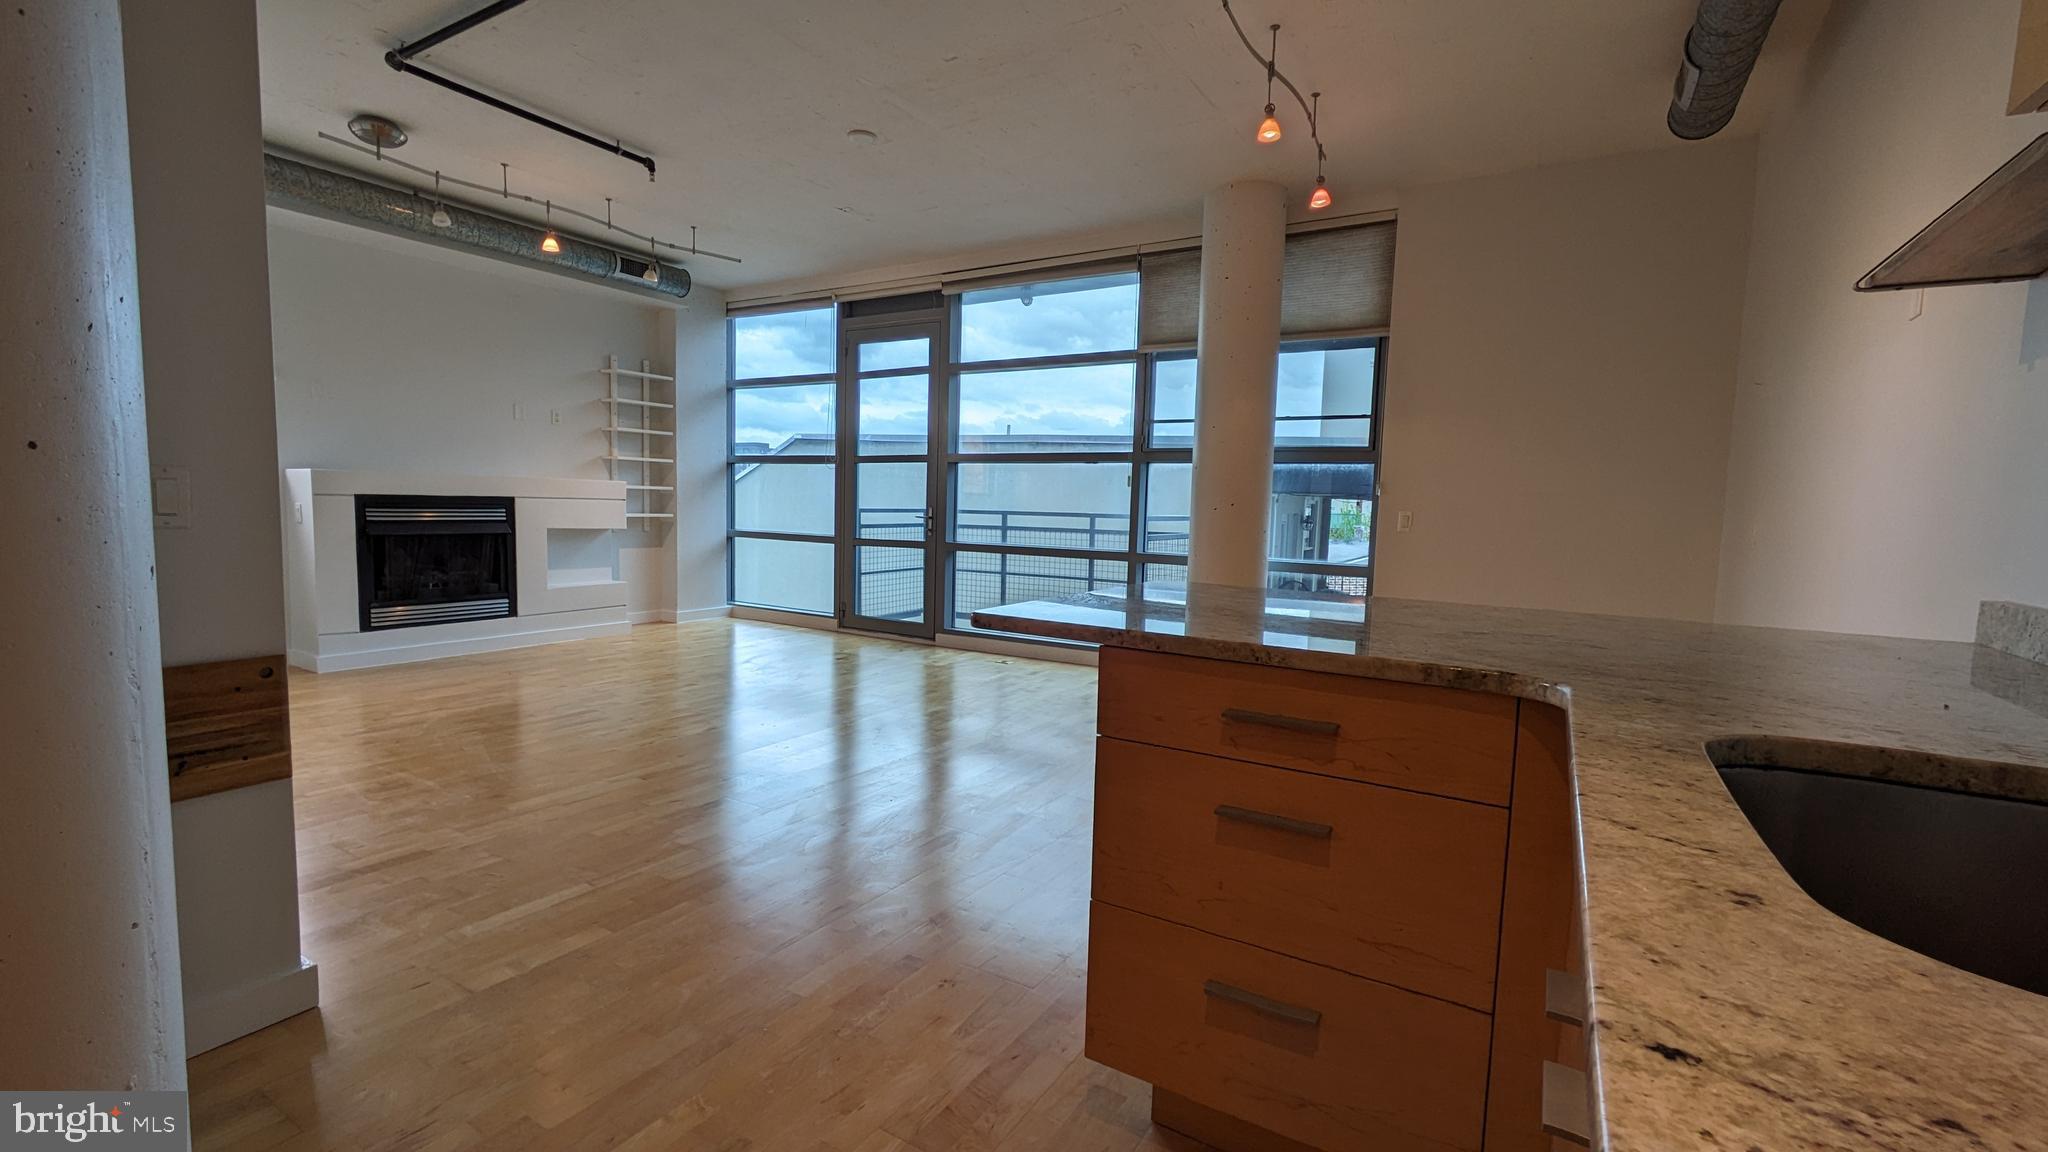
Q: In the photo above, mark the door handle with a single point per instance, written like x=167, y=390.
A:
x=1286, y=723
x=1269, y=820
x=1263, y=1005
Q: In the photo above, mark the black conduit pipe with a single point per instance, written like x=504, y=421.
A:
x=1721, y=49
x=400, y=60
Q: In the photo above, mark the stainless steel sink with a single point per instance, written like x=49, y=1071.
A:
x=1959, y=876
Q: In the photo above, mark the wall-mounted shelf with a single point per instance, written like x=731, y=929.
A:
x=633, y=438
x=1997, y=232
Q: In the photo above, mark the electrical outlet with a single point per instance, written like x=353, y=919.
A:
x=554, y=415
x=1403, y=521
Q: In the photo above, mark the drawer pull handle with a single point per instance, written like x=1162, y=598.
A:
x=1564, y=997
x=1269, y=820
x=1289, y=723
x=1565, y=1113
x=1264, y=1005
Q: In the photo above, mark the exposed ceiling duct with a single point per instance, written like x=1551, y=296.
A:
x=1720, y=52
x=300, y=187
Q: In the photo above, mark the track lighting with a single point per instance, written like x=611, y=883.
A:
x=550, y=243
x=1320, y=198
x=1269, y=128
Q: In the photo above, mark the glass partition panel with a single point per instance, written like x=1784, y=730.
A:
x=1056, y=318
x=1074, y=408
x=792, y=574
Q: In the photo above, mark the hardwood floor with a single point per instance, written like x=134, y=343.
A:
x=722, y=885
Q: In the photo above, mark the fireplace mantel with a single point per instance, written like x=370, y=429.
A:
x=555, y=601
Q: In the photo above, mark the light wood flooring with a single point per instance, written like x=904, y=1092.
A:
x=722, y=885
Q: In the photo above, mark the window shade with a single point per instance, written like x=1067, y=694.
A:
x=1336, y=280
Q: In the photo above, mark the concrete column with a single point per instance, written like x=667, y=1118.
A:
x=88, y=924
x=1244, y=235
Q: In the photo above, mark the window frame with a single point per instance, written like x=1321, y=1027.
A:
x=735, y=385
x=1147, y=454
x=949, y=545
x=1135, y=557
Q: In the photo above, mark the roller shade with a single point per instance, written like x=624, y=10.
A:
x=1336, y=280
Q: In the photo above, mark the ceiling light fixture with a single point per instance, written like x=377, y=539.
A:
x=1320, y=198
x=1269, y=128
x=379, y=132
x=441, y=217
x=653, y=273
x=549, y=242
x=504, y=191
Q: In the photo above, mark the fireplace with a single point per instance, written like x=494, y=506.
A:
x=433, y=560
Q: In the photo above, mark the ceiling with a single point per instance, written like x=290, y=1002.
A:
x=1000, y=122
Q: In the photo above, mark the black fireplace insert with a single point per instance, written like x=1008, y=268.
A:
x=433, y=560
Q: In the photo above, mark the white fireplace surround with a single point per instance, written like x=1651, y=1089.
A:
x=566, y=590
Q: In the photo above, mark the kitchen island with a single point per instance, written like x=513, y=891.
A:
x=1727, y=1008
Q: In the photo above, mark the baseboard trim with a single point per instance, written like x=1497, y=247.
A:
x=671, y=616
x=778, y=616
x=465, y=646
x=211, y=1021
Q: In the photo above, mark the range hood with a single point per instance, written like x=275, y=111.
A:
x=1997, y=232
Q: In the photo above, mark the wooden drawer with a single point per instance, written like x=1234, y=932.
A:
x=1388, y=884
x=1436, y=740
x=1328, y=1059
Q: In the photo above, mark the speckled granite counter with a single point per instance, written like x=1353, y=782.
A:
x=1733, y=1012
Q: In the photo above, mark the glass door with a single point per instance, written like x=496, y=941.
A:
x=889, y=504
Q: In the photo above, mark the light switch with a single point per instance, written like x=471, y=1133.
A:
x=1403, y=521
x=170, y=497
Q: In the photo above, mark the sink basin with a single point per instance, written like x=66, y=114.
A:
x=1960, y=876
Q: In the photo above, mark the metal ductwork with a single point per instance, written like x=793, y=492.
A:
x=1720, y=52
x=298, y=186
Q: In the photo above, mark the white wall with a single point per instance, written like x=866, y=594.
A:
x=392, y=354
x=1559, y=381
x=196, y=150
x=693, y=339
x=1887, y=471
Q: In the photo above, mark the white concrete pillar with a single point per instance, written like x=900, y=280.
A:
x=88, y=923
x=1244, y=237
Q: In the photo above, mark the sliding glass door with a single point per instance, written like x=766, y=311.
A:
x=889, y=504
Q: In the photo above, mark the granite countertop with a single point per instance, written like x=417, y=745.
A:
x=1731, y=1011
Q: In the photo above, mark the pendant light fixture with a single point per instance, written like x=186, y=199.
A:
x=1320, y=198
x=441, y=217
x=653, y=273
x=1269, y=128
x=549, y=242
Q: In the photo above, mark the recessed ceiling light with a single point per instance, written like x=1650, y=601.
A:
x=861, y=136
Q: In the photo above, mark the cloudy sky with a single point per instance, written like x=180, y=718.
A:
x=1099, y=315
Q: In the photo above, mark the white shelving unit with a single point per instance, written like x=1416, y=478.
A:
x=634, y=403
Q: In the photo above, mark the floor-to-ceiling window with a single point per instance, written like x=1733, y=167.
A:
x=1045, y=407
x=782, y=367
x=1319, y=527
x=1064, y=411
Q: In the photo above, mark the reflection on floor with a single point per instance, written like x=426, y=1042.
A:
x=718, y=885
